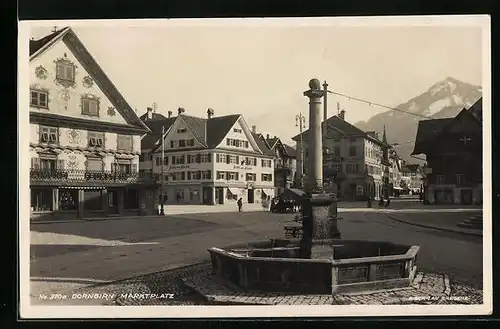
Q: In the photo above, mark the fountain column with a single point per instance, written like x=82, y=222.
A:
x=319, y=209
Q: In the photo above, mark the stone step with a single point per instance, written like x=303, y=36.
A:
x=470, y=225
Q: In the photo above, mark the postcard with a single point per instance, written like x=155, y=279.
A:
x=271, y=167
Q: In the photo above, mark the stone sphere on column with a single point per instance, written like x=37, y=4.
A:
x=314, y=84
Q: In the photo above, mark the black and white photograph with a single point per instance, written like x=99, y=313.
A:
x=244, y=167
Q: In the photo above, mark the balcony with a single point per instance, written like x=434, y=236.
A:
x=88, y=177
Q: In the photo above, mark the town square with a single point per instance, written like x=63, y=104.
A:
x=228, y=186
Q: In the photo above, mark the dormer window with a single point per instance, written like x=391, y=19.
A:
x=90, y=106
x=65, y=71
x=236, y=130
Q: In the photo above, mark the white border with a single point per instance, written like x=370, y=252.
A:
x=29, y=311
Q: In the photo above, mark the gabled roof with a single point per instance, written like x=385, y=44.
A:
x=477, y=109
x=156, y=116
x=218, y=128
x=209, y=132
x=150, y=139
x=262, y=143
x=38, y=47
x=344, y=128
x=292, y=153
x=427, y=131
x=272, y=141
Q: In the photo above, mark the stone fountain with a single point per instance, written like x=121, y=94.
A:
x=320, y=262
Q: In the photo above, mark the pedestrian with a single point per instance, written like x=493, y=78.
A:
x=240, y=204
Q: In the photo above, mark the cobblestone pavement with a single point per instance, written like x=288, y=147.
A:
x=427, y=288
x=195, y=285
x=69, y=256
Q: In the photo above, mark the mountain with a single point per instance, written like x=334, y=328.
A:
x=444, y=99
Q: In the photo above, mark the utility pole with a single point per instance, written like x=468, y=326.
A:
x=162, y=209
x=300, y=121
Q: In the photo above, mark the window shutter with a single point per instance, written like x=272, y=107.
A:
x=59, y=71
x=189, y=175
x=134, y=167
x=198, y=158
x=60, y=165
x=35, y=163
x=228, y=159
x=171, y=144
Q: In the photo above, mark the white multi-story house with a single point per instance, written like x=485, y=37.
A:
x=211, y=160
x=353, y=159
x=84, y=137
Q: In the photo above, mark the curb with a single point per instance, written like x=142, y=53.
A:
x=478, y=235
x=100, y=219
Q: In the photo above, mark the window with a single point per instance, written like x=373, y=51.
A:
x=190, y=142
x=339, y=167
x=251, y=177
x=180, y=175
x=236, y=143
x=181, y=130
x=94, y=164
x=234, y=159
x=352, y=151
x=65, y=71
x=352, y=168
x=439, y=179
x=193, y=175
x=182, y=143
x=266, y=163
x=250, y=161
x=41, y=199
x=206, y=174
x=221, y=175
x=95, y=139
x=460, y=179
x=158, y=161
x=236, y=130
x=125, y=168
x=232, y=176
x=90, y=106
x=49, y=135
x=39, y=98
x=178, y=159
x=124, y=142
x=207, y=157
x=179, y=193
x=220, y=158
x=266, y=177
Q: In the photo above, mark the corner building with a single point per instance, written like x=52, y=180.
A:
x=213, y=160
x=84, y=137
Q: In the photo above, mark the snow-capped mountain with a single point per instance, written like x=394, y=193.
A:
x=443, y=100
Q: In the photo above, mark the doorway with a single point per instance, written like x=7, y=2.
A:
x=466, y=196
x=219, y=194
x=207, y=196
x=251, y=195
x=112, y=202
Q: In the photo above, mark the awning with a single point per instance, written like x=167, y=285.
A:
x=397, y=188
x=267, y=191
x=233, y=191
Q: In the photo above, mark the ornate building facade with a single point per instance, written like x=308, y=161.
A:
x=84, y=136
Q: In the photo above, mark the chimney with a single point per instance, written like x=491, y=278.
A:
x=342, y=114
x=180, y=110
x=267, y=136
x=169, y=113
x=150, y=113
x=210, y=113
x=254, y=129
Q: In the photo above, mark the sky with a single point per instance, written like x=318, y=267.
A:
x=261, y=71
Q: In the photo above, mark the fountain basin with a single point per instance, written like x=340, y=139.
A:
x=336, y=266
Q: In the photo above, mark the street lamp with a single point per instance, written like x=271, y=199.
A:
x=162, y=178
x=300, y=121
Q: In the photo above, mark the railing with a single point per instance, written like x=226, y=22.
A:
x=57, y=175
